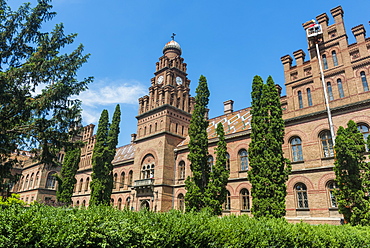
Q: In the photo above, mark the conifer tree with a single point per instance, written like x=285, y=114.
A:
x=66, y=179
x=103, y=154
x=269, y=169
x=112, y=142
x=31, y=57
x=352, y=175
x=216, y=191
x=197, y=184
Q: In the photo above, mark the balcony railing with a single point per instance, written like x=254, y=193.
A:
x=143, y=183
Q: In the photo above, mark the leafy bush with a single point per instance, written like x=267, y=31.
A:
x=12, y=200
x=45, y=226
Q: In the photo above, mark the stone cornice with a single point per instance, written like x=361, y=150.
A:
x=335, y=110
x=158, y=134
x=160, y=108
x=360, y=62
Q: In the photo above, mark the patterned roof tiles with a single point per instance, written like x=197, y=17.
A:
x=124, y=153
x=234, y=122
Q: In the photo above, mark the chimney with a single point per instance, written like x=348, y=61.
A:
x=228, y=107
x=278, y=88
x=359, y=32
x=287, y=62
x=206, y=114
x=299, y=57
x=133, y=137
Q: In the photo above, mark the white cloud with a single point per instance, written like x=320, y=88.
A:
x=90, y=116
x=112, y=93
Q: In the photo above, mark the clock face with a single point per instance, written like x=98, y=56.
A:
x=178, y=80
x=160, y=79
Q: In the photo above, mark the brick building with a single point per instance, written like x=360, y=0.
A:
x=151, y=170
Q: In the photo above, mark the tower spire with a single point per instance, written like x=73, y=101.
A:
x=173, y=36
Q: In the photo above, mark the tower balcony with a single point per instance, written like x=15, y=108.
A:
x=144, y=183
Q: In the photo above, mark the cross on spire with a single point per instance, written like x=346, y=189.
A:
x=173, y=36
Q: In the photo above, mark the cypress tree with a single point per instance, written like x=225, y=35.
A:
x=216, y=191
x=269, y=169
x=198, y=150
x=66, y=179
x=103, y=154
x=112, y=142
x=352, y=175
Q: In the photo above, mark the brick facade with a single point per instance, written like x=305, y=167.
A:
x=150, y=172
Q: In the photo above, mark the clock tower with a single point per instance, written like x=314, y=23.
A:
x=163, y=122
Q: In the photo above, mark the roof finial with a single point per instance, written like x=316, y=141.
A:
x=173, y=36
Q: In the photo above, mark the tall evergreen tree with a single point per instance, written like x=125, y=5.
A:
x=103, y=154
x=66, y=179
x=31, y=57
x=216, y=191
x=198, y=150
x=352, y=175
x=269, y=169
x=112, y=142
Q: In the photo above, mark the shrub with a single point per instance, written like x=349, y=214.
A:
x=46, y=226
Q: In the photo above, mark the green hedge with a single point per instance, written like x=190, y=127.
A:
x=43, y=226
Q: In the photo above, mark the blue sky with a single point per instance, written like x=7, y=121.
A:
x=227, y=41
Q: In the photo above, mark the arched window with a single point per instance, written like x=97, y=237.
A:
x=77, y=203
x=119, y=204
x=87, y=184
x=50, y=181
x=243, y=160
x=147, y=169
x=210, y=162
x=364, y=129
x=128, y=202
x=31, y=182
x=112, y=202
x=364, y=81
x=300, y=100
x=327, y=144
x=325, y=62
x=182, y=170
x=228, y=201
x=181, y=202
x=122, y=181
x=244, y=195
x=309, y=97
x=227, y=166
x=115, y=180
x=296, y=146
x=151, y=171
x=37, y=179
x=130, y=174
x=331, y=187
x=335, y=59
x=81, y=185
x=20, y=184
x=145, y=205
x=83, y=203
x=301, y=193
x=340, y=88
x=330, y=91
x=26, y=183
